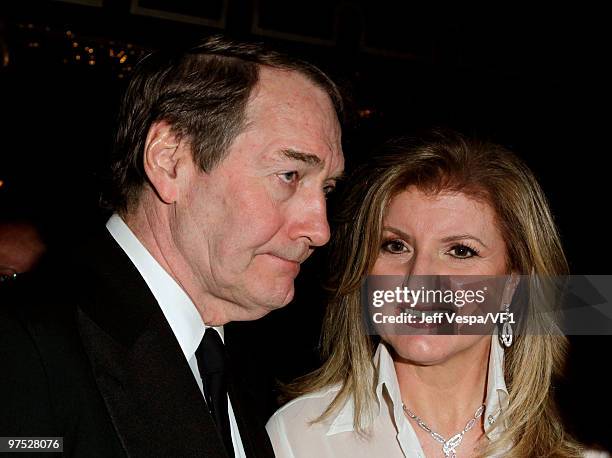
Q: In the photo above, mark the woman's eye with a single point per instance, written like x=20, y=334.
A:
x=394, y=246
x=288, y=177
x=463, y=252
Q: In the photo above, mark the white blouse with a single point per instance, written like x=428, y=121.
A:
x=393, y=436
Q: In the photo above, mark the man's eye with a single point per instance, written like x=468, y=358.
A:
x=327, y=190
x=463, y=252
x=288, y=177
x=394, y=246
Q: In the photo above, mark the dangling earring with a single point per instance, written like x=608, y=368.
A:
x=507, y=335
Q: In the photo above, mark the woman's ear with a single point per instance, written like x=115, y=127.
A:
x=512, y=283
x=162, y=152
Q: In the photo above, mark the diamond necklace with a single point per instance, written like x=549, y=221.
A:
x=448, y=446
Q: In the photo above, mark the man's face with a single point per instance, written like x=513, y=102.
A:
x=244, y=228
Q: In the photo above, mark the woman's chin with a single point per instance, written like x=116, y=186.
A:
x=428, y=350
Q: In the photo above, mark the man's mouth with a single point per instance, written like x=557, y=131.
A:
x=288, y=263
x=295, y=258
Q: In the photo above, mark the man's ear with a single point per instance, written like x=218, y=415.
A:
x=162, y=153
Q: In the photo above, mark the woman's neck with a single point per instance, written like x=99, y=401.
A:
x=446, y=395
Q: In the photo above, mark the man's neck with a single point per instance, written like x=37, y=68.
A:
x=151, y=229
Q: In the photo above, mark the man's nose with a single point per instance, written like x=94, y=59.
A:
x=311, y=222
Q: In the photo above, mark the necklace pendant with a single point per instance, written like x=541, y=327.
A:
x=450, y=445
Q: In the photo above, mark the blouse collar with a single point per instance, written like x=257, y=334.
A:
x=496, y=400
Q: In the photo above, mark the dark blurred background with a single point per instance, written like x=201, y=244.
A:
x=533, y=79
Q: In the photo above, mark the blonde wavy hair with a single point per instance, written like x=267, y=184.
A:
x=447, y=162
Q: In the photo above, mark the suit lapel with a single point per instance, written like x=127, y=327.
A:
x=252, y=430
x=253, y=434
x=139, y=367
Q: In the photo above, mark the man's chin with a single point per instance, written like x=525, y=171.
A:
x=261, y=304
x=258, y=311
x=279, y=301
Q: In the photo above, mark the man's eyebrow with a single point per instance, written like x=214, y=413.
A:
x=456, y=238
x=310, y=159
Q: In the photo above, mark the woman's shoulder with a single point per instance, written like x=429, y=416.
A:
x=590, y=453
x=307, y=407
x=297, y=426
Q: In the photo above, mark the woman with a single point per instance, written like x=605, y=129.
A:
x=444, y=206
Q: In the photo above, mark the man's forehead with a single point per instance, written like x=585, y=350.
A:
x=288, y=88
x=279, y=78
x=296, y=119
x=337, y=165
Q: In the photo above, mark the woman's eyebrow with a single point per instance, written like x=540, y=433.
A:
x=456, y=238
x=451, y=238
x=397, y=231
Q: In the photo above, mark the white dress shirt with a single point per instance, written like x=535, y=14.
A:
x=180, y=312
x=393, y=435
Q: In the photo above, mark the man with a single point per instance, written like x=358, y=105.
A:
x=224, y=155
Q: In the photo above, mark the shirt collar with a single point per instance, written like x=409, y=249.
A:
x=497, y=393
x=178, y=308
x=383, y=362
x=496, y=399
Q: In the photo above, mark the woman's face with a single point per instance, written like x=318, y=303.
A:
x=439, y=234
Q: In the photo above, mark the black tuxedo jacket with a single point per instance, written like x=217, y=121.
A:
x=86, y=354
